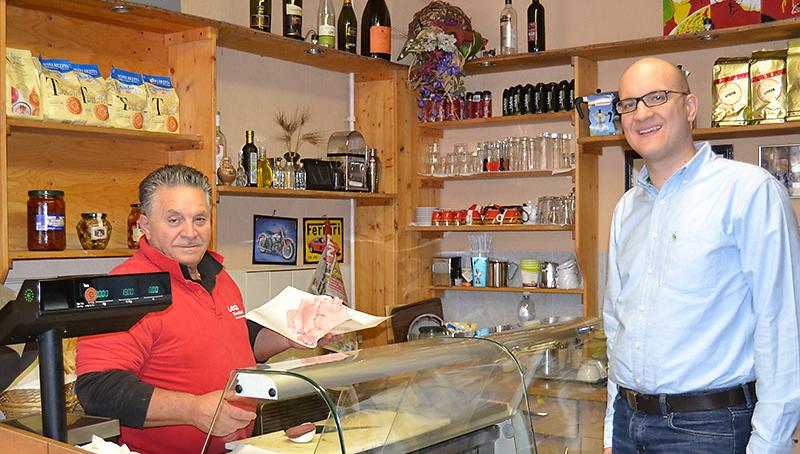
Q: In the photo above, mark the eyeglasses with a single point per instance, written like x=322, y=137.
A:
x=652, y=99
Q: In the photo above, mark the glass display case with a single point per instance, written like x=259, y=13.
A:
x=513, y=392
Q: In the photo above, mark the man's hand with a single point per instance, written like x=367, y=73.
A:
x=230, y=419
x=607, y=451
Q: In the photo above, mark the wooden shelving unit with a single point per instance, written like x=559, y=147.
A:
x=596, y=144
x=773, y=31
x=501, y=175
x=576, y=291
x=303, y=194
x=70, y=254
x=172, y=142
x=499, y=121
x=493, y=228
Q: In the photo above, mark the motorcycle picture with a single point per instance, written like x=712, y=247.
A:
x=276, y=243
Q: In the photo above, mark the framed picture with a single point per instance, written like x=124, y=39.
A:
x=274, y=240
x=783, y=162
x=314, y=238
x=634, y=162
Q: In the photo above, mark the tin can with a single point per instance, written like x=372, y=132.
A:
x=486, y=104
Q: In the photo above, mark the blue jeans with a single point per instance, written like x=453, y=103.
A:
x=721, y=431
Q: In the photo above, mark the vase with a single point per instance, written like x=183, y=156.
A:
x=226, y=171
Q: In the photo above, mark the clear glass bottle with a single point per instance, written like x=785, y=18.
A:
x=221, y=144
x=326, y=24
x=508, y=30
x=279, y=175
x=300, y=177
x=241, y=173
x=526, y=311
x=264, y=170
x=288, y=175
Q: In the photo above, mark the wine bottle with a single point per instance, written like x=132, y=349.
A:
x=250, y=152
x=508, y=30
x=293, y=19
x=536, y=27
x=326, y=24
x=376, y=30
x=347, y=28
x=261, y=15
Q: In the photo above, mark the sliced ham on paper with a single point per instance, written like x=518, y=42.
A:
x=316, y=317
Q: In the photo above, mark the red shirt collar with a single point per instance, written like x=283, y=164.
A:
x=165, y=263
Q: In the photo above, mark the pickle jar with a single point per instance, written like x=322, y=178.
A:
x=134, y=232
x=46, y=213
x=94, y=231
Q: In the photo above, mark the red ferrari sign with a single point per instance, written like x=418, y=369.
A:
x=314, y=238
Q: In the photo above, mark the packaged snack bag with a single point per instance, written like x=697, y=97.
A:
x=61, y=92
x=127, y=99
x=162, y=112
x=93, y=94
x=22, y=85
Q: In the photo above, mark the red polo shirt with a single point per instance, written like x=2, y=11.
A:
x=190, y=347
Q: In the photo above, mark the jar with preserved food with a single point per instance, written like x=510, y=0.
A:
x=46, y=213
x=134, y=232
x=94, y=231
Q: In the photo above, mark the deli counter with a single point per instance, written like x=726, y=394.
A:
x=506, y=393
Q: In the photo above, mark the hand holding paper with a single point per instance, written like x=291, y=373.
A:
x=305, y=318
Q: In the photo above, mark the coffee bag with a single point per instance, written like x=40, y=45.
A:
x=730, y=92
x=768, y=86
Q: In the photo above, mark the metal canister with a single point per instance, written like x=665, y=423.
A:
x=486, y=104
x=547, y=275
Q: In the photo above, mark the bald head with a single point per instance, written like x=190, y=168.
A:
x=652, y=69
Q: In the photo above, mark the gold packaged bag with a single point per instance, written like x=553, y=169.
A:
x=793, y=81
x=93, y=92
x=162, y=112
x=768, y=86
x=61, y=92
x=730, y=92
x=127, y=99
x=22, y=85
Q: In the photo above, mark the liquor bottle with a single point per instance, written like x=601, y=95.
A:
x=536, y=27
x=300, y=177
x=376, y=30
x=347, y=28
x=264, y=170
x=220, y=144
x=250, y=152
x=508, y=30
x=261, y=15
x=373, y=170
x=293, y=19
x=279, y=175
x=326, y=24
x=241, y=172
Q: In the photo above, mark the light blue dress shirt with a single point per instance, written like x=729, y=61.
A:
x=703, y=291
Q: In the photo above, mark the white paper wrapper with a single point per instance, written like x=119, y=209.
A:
x=100, y=446
x=273, y=315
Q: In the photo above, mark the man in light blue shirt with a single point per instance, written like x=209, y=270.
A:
x=702, y=305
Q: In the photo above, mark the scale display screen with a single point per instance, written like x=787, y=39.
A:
x=120, y=289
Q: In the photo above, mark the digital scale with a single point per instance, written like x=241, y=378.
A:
x=48, y=310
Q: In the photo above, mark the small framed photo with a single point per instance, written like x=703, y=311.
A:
x=314, y=238
x=274, y=240
x=783, y=162
x=634, y=162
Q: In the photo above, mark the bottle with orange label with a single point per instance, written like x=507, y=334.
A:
x=376, y=30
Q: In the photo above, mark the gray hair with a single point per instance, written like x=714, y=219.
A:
x=171, y=176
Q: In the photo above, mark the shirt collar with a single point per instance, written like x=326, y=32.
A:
x=209, y=267
x=686, y=172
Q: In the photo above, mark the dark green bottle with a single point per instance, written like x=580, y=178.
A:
x=250, y=158
x=347, y=28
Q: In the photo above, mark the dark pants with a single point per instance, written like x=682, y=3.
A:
x=721, y=431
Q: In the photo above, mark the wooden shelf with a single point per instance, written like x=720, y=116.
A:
x=500, y=175
x=70, y=254
x=595, y=144
x=772, y=31
x=499, y=121
x=493, y=228
x=172, y=142
x=304, y=194
x=509, y=289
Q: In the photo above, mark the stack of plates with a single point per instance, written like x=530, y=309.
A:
x=424, y=216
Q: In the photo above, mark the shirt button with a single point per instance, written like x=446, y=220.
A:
x=638, y=382
x=654, y=236
x=637, y=344
x=663, y=202
x=641, y=308
x=649, y=270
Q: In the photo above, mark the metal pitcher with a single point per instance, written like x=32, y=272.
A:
x=498, y=273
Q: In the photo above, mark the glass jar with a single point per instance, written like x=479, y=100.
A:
x=46, y=214
x=134, y=231
x=429, y=332
x=94, y=231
